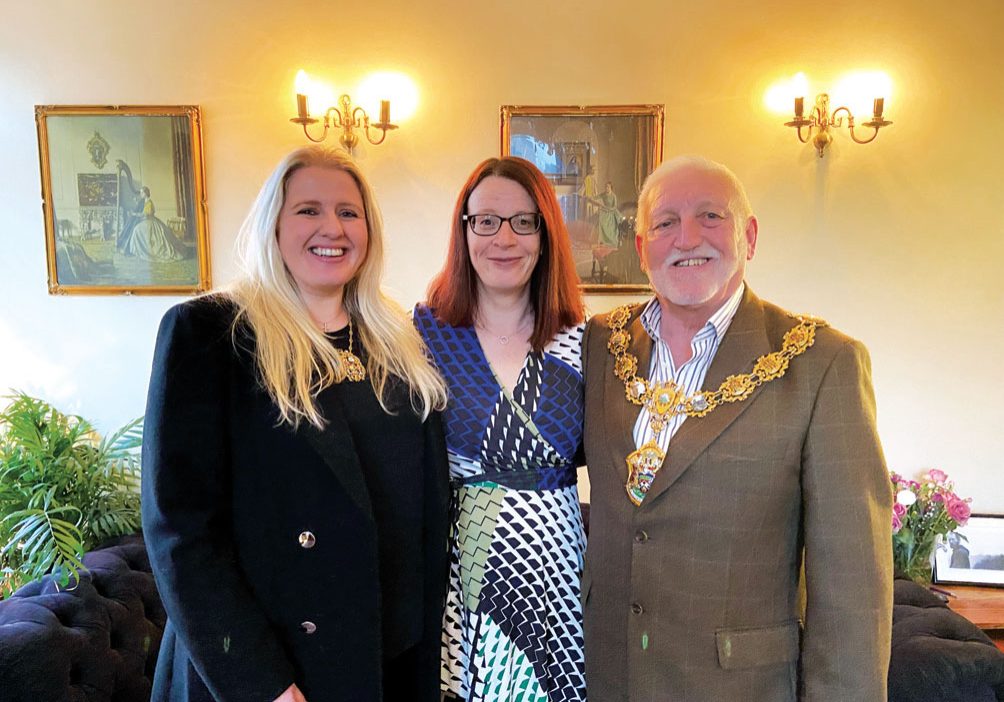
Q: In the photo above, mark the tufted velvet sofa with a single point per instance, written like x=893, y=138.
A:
x=98, y=642
x=937, y=655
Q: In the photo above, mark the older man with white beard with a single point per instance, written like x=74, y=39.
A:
x=730, y=444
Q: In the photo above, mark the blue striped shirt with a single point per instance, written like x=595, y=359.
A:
x=690, y=376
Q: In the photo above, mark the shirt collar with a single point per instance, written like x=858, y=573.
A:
x=717, y=324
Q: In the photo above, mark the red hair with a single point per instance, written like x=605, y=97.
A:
x=554, y=284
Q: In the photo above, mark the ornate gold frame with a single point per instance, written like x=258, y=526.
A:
x=655, y=136
x=198, y=179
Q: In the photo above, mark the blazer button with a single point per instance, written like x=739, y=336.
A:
x=637, y=608
x=307, y=539
x=640, y=536
x=308, y=627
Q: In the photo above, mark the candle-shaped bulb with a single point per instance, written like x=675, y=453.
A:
x=385, y=112
x=301, y=106
x=799, y=107
x=878, y=106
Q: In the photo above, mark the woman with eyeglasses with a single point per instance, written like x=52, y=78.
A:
x=504, y=326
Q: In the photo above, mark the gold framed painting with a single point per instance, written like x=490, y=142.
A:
x=597, y=158
x=124, y=199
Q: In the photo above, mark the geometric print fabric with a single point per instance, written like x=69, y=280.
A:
x=521, y=591
x=476, y=528
x=513, y=624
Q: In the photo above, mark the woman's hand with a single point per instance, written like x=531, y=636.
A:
x=292, y=694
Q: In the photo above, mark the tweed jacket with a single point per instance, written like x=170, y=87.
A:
x=694, y=595
x=261, y=537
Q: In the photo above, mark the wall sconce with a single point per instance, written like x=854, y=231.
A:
x=820, y=120
x=348, y=119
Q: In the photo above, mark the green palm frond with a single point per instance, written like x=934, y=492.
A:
x=124, y=440
x=63, y=489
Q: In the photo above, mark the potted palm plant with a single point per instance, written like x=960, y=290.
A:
x=63, y=490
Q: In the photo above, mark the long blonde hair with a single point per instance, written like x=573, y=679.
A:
x=295, y=359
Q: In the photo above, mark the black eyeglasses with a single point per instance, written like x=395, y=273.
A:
x=524, y=223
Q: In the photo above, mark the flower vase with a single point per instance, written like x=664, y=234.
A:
x=920, y=567
x=912, y=558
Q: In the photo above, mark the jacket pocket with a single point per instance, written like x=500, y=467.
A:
x=757, y=646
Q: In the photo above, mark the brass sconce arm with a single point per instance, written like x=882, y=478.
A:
x=306, y=121
x=798, y=124
x=836, y=121
x=875, y=123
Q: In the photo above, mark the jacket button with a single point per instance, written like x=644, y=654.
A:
x=637, y=608
x=640, y=536
x=307, y=539
x=308, y=627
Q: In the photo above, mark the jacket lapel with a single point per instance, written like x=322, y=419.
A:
x=335, y=446
x=744, y=342
x=621, y=429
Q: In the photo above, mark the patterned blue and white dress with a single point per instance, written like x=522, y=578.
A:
x=513, y=624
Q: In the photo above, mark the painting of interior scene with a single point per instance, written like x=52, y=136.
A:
x=597, y=164
x=123, y=201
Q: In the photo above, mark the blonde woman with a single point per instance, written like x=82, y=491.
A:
x=295, y=485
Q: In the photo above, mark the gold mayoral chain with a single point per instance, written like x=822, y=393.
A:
x=665, y=400
x=354, y=368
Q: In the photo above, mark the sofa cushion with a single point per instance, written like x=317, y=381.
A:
x=938, y=655
x=97, y=641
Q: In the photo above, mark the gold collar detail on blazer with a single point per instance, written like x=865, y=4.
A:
x=665, y=400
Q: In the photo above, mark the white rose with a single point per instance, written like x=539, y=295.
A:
x=906, y=497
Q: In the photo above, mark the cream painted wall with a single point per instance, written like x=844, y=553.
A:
x=899, y=242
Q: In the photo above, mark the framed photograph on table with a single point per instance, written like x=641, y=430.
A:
x=973, y=554
x=597, y=158
x=124, y=199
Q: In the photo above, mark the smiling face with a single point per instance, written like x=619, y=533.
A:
x=697, y=243
x=504, y=262
x=322, y=232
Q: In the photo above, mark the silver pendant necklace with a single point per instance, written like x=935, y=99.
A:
x=504, y=338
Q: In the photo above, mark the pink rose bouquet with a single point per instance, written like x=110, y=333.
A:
x=923, y=511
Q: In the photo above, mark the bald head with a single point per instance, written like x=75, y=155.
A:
x=740, y=202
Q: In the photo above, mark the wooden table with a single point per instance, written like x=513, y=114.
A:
x=983, y=606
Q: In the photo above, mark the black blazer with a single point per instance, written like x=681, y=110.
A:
x=262, y=538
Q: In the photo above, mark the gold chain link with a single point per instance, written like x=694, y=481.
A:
x=665, y=400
